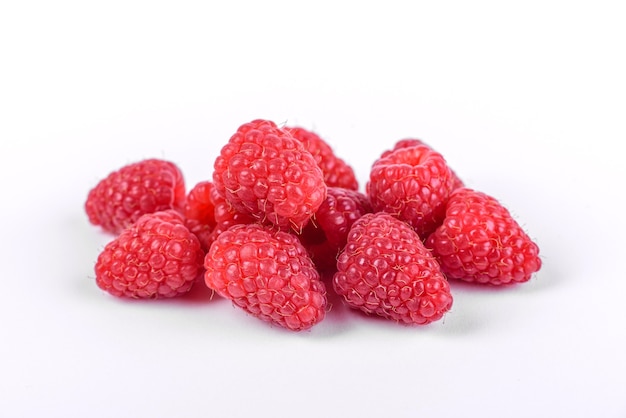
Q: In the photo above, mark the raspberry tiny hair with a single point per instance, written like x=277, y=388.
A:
x=156, y=257
x=267, y=273
x=138, y=188
x=413, y=184
x=337, y=173
x=265, y=172
x=480, y=242
x=385, y=270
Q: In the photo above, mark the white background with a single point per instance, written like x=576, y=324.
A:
x=526, y=101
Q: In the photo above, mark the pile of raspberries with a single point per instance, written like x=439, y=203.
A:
x=282, y=222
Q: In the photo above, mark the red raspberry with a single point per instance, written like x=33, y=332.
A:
x=337, y=173
x=199, y=212
x=267, y=273
x=265, y=172
x=156, y=257
x=386, y=270
x=410, y=142
x=480, y=242
x=412, y=184
x=136, y=189
x=226, y=215
x=327, y=234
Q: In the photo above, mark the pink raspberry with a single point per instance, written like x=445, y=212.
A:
x=156, y=257
x=386, y=270
x=199, y=211
x=136, y=189
x=411, y=142
x=413, y=184
x=337, y=173
x=268, y=274
x=480, y=242
x=265, y=172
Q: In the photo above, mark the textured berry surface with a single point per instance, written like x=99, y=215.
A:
x=198, y=205
x=136, y=189
x=199, y=213
x=413, y=184
x=327, y=234
x=265, y=172
x=226, y=215
x=267, y=273
x=480, y=242
x=337, y=173
x=156, y=257
x=386, y=270
x=411, y=142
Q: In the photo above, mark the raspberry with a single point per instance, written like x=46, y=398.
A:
x=412, y=184
x=268, y=274
x=226, y=215
x=337, y=173
x=156, y=257
x=327, y=235
x=199, y=212
x=136, y=189
x=386, y=270
x=480, y=242
x=410, y=142
x=265, y=172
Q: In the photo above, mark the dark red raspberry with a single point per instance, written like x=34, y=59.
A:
x=326, y=235
x=386, y=270
x=268, y=274
x=136, y=189
x=199, y=212
x=411, y=142
x=156, y=257
x=265, y=172
x=413, y=184
x=337, y=173
x=480, y=242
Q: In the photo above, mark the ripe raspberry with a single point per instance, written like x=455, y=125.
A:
x=386, y=270
x=412, y=184
x=156, y=257
x=480, y=242
x=265, y=172
x=199, y=212
x=410, y=142
x=225, y=215
x=327, y=234
x=267, y=273
x=136, y=189
x=337, y=173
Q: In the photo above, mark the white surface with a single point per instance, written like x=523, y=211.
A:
x=526, y=102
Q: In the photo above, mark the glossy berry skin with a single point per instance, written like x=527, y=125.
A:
x=156, y=257
x=198, y=205
x=337, y=173
x=265, y=172
x=480, y=242
x=411, y=142
x=199, y=211
x=268, y=274
x=386, y=270
x=143, y=187
x=327, y=234
x=412, y=184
